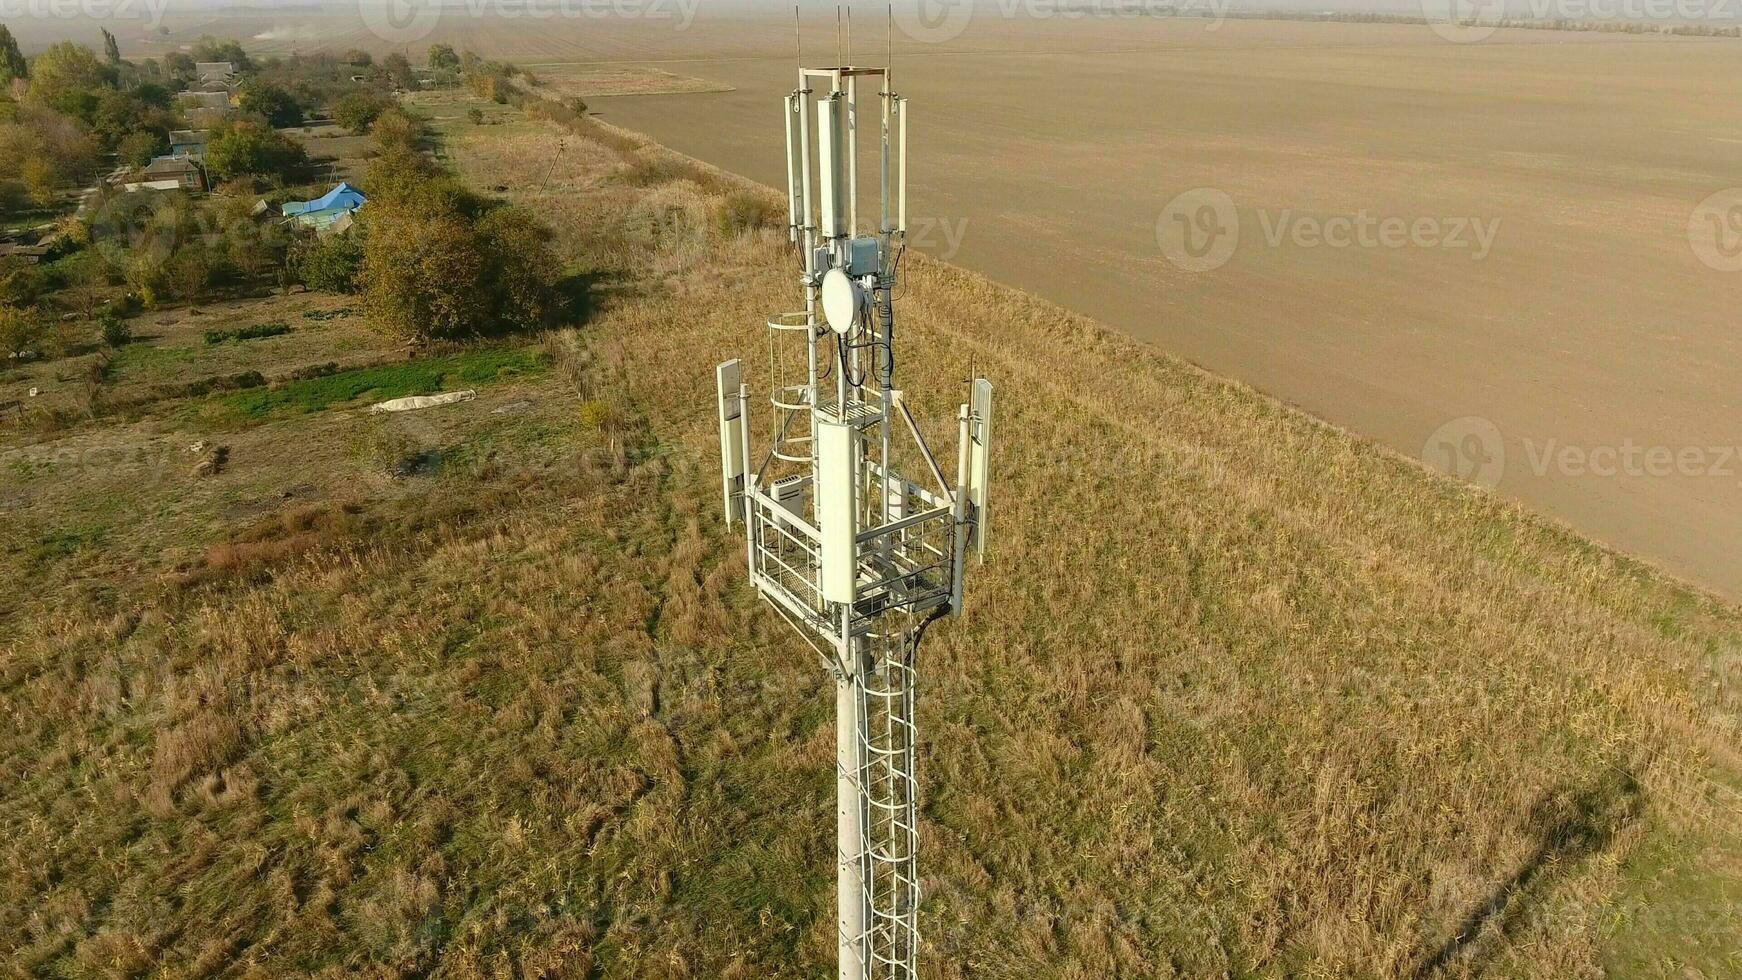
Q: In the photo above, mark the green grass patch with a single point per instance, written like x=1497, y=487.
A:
x=63, y=542
x=258, y=331
x=138, y=360
x=421, y=377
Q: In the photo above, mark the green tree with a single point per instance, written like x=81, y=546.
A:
x=20, y=329
x=68, y=78
x=137, y=148
x=111, y=48
x=396, y=174
x=119, y=113
x=248, y=149
x=330, y=264
x=12, y=63
x=189, y=271
x=21, y=284
x=43, y=180
x=423, y=274
x=272, y=101
x=85, y=279
x=358, y=110
x=152, y=95
x=179, y=69
x=143, y=272
x=396, y=132
x=442, y=56
x=209, y=48
x=43, y=133
x=441, y=262
x=115, y=331
x=398, y=69
x=358, y=57
x=523, y=270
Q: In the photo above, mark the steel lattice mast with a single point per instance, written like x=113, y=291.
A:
x=858, y=558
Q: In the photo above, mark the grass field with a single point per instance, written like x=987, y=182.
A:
x=483, y=691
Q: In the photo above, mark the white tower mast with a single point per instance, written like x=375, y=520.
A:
x=858, y=558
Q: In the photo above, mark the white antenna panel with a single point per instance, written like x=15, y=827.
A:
x=979, y=457
x=831, y=155
x=729, y=379
x=837, y=502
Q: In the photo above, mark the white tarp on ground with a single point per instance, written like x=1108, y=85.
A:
x=424, y=401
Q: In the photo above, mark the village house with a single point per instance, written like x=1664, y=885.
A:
x=220, y=72
x=324, y=211
x=169, y=174
x=28, y=254
x=205, y=100
x=189, y=143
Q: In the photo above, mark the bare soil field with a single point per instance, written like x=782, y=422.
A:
x=591, y=82
x=1587, y=330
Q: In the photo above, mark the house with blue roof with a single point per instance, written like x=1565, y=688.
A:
x=323, y=211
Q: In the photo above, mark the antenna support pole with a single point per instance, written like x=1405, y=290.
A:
x=849, y=550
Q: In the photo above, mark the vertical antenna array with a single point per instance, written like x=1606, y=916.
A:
x=854, y=554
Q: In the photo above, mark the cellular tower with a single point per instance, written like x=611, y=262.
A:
x=856, y=556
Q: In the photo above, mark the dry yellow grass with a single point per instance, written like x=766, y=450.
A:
x=1238, y=694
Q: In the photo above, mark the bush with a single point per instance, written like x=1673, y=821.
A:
x=396, y=132
x=329, y=265
x=649, y=173
x=256, y=332
x=272, y=101
x=116, y=332
x=242, y=381
x=189, y=272
x=22, y=284
x=313, y=371
x=20, y=329
x=250, y=149
x=435, y=267
x=747, y=212
x=137, y=148
x=358, y=111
